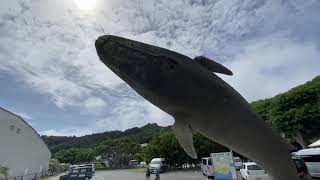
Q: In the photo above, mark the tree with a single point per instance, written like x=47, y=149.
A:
x=120, y=151
x=75, y=155
x=295, y=113
x=54, y=165
x=4, y=171
x=85, y=155
x=167, y=146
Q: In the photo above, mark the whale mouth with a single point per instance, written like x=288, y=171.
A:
x=123, y=58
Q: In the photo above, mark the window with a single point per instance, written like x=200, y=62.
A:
x=11, y=127
x=155, y=162
x=254, y=167
x=83, y=170
x=18, y=130
x=204, y=161
x=209, y=162
x=311, y=158
x=75, y=171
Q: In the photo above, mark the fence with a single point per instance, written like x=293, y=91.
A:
x=34, y=176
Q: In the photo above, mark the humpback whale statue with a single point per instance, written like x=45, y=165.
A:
x=197, y=99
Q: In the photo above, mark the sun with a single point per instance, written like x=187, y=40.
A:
x=86, y=4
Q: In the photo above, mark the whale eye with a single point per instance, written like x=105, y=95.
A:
x=169, y=64
x=172, y=64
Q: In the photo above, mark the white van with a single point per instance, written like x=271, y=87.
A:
x=157, y=164
x=207, y=167
x=312, y=159
x=237, y=163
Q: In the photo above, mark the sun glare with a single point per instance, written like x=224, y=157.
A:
x=86, y=4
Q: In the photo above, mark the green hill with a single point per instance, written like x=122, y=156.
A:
x=296, y=113
x=141, y=135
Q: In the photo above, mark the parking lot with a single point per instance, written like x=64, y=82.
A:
x=132, y=175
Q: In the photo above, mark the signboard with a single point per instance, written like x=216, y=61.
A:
x=223, y=166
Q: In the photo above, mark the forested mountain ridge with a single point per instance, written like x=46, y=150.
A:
x=140, y=135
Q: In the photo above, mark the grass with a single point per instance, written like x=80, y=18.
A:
x=139, y=170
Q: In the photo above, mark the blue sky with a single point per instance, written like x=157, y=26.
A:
x=50, y=73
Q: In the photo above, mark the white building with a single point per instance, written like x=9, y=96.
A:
x=22, y=150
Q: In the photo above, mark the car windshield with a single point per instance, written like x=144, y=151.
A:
x=155, y=162
x=237, y=160
x=254, y=167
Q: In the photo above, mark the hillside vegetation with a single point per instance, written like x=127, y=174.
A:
x=296, y=113
x=139, y=135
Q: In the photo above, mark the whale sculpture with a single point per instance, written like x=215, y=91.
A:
x=197, y=99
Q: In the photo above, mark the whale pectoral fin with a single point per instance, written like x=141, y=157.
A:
x=213, y=66
x=183, y=133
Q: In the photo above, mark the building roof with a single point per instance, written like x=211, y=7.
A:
x=305, y=152
x=315, y=144
x=250, y=163
x=22, y=120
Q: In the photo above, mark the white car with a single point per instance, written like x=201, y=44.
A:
x=237, y=162
x=157, y=164
x=251, y=171
x=311, y=157
x=207, y=167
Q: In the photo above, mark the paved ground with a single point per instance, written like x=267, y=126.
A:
x=132, y=175
x=56, y=177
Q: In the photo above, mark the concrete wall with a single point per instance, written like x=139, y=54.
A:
x=21, y=148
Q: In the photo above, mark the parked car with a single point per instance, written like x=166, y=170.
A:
x=207, y=167
x=78, y=173
x=237, y=163
x=251, y=171
x=311, y=157
x=157, y=164
x=88, y=165
x=133, y=163
x=83, y=165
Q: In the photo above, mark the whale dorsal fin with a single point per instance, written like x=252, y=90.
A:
x=213, y=66
x=183, y=133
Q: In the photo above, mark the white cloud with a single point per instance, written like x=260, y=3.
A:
x=49, y=45
x=273, y=65
x=157, y=115
x=66, y=132
x=94, y=104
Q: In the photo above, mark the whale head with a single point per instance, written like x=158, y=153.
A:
x=147, y=69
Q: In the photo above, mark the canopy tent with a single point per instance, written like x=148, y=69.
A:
x=315, y=144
